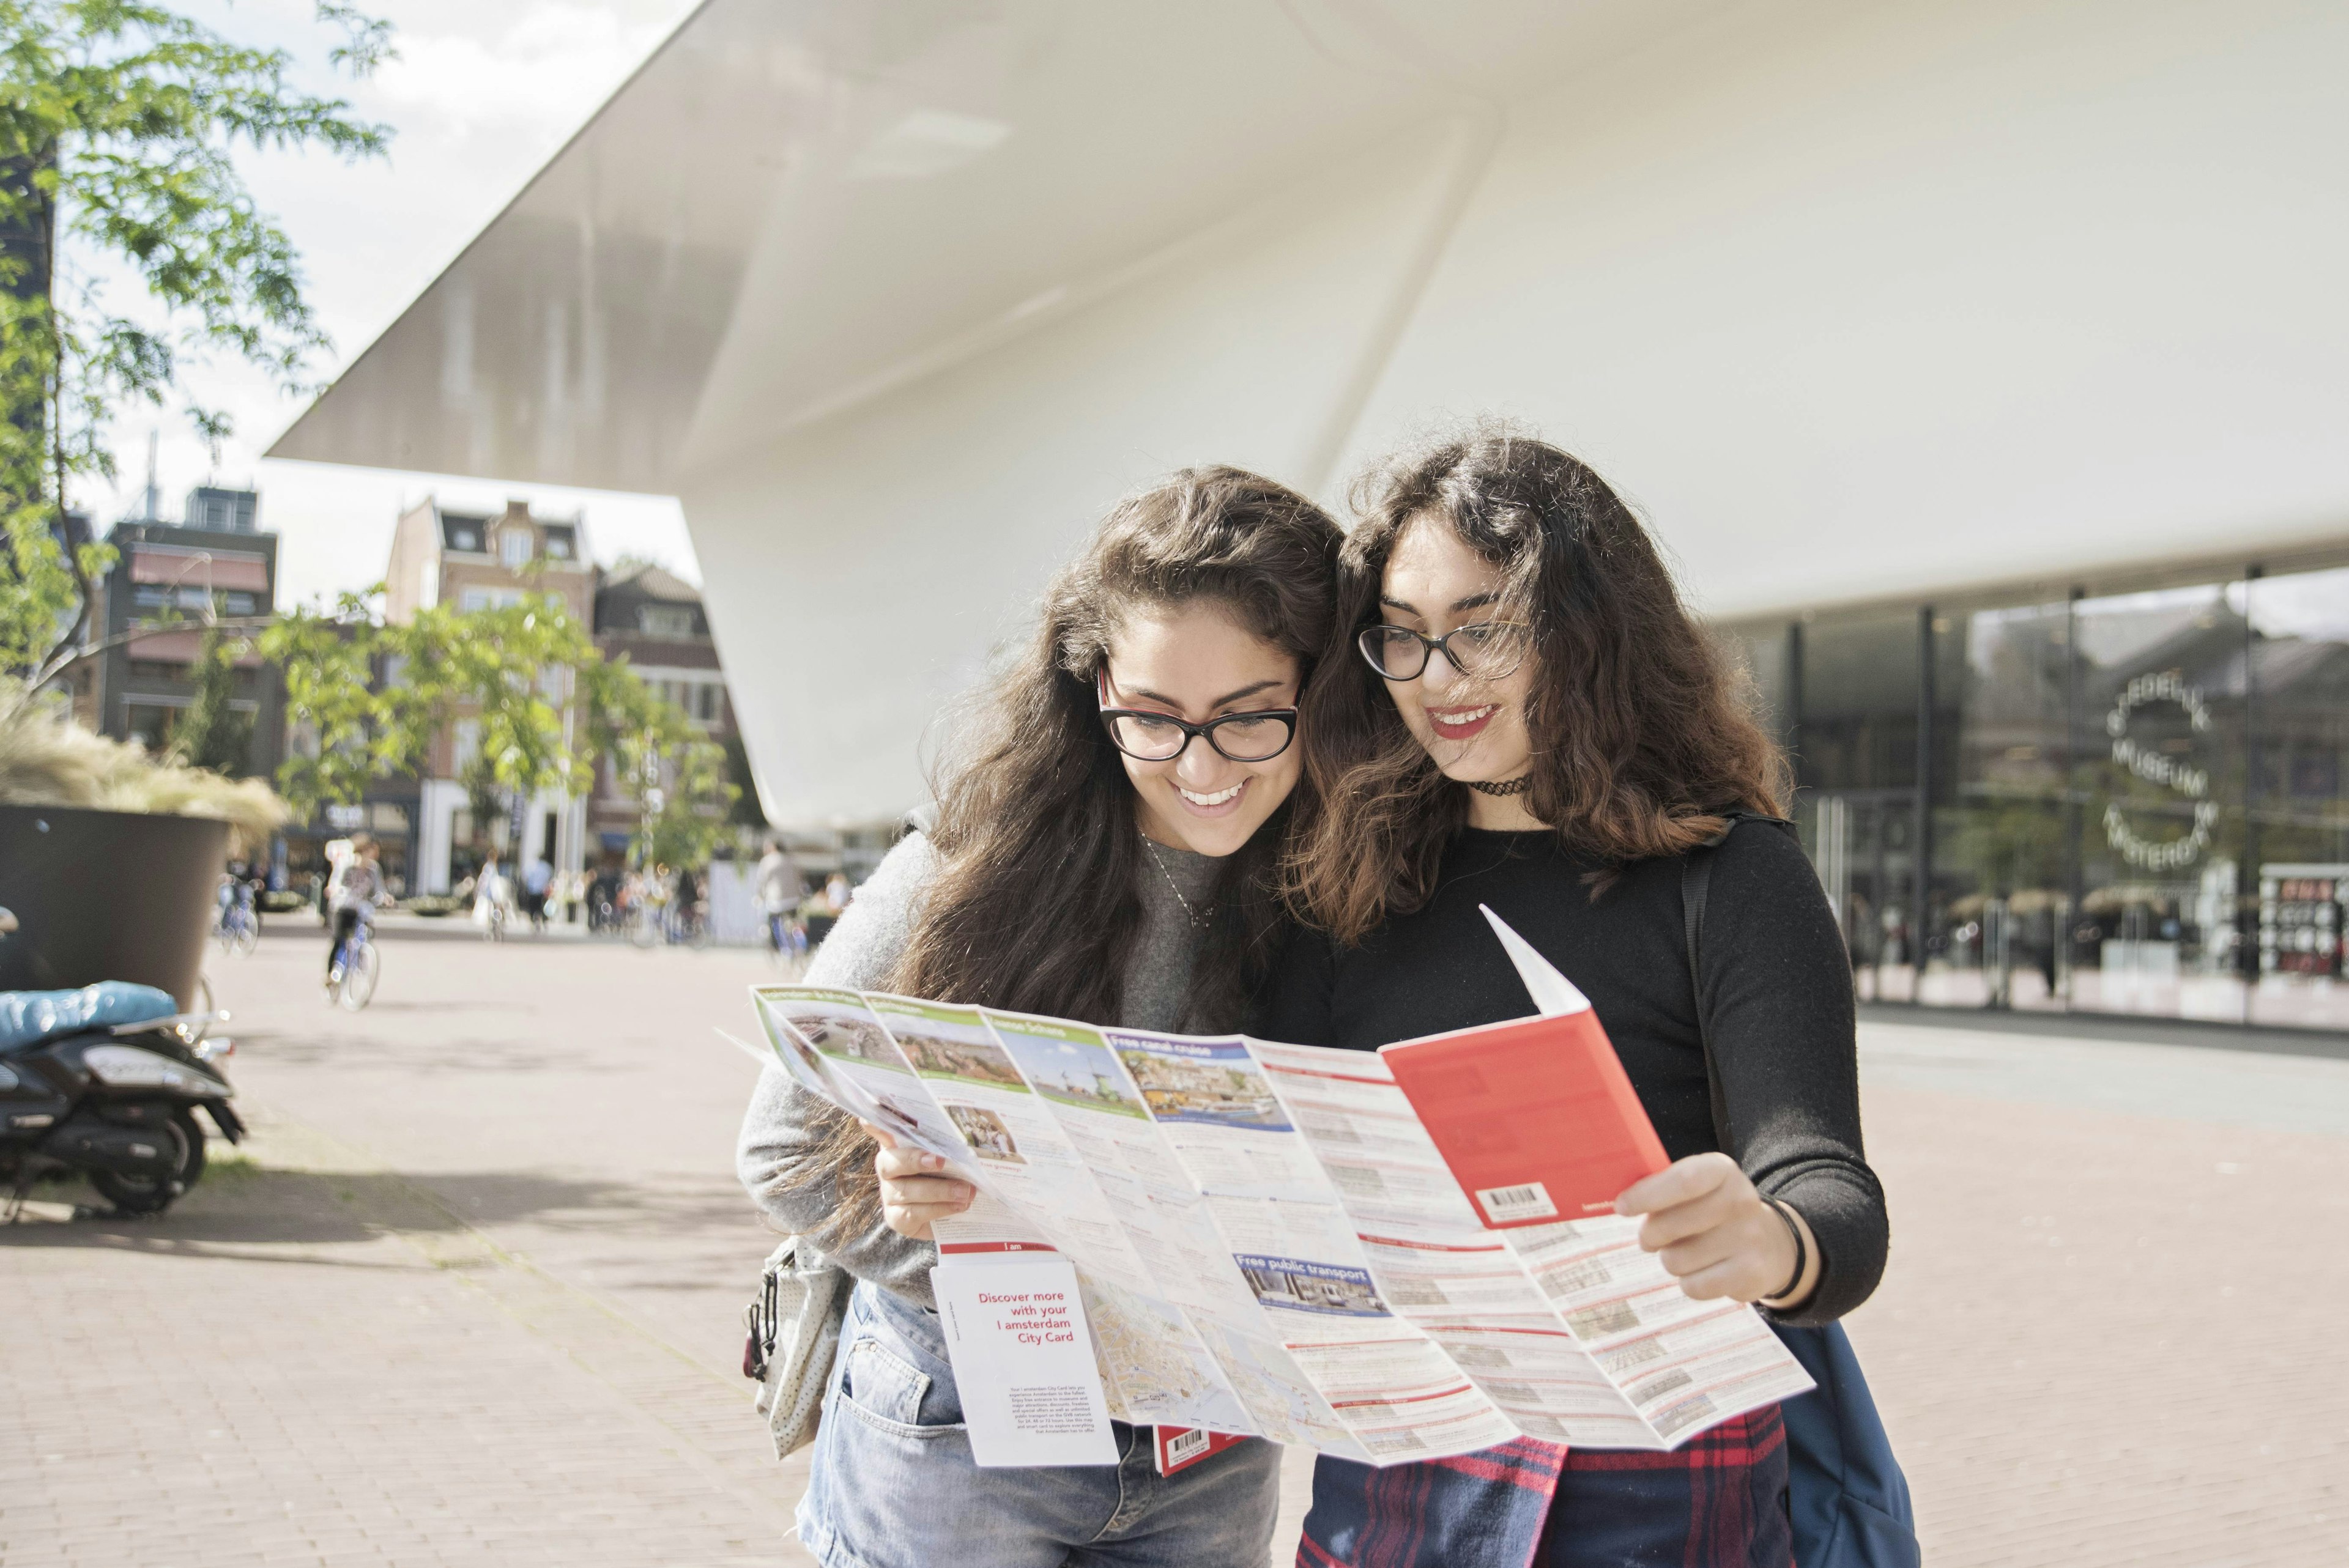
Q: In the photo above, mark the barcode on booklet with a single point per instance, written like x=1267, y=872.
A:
x=1529, y=1201
x=1182, y=1446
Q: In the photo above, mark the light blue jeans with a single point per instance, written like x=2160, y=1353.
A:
x=894, y=1486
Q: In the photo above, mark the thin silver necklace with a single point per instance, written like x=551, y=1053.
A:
x=1199, y=921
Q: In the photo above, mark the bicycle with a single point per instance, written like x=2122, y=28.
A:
x=237, y=928
x=787, y=942
x=351, y=979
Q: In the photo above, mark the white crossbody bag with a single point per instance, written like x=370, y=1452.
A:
x=794, y=1334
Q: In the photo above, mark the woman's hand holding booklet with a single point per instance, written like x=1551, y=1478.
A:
x=915, y=1188
x=1387, y=1256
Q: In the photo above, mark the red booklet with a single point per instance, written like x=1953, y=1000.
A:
x=1536, y=1118
x=1180, y=1447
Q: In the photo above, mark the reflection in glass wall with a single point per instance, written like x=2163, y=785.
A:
x=2001, y=916
x=2161, y=678
x=1852, y=685
x=2298, y=814
x=2129, y=803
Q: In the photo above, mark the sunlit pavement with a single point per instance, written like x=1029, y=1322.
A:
x=472, y=1294
x=2109, y=1333
x=474, y=1297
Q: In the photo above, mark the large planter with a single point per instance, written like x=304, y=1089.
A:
x=107, y=896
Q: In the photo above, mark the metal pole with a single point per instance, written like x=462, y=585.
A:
x=2247, y=876
x=2074, y=798
x=1795, y=702
x=1923, y=836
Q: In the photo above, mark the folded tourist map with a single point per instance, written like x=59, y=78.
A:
x=1385, y=1256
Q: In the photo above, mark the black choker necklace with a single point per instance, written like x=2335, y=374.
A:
x=1516, y=786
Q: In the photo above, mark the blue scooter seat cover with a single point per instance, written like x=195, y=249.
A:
x=28, y=1018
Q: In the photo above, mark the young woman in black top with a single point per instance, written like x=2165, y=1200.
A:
x=1529, y=718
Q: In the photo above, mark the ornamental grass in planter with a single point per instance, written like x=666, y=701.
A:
x=110, y=858
x=46, y=759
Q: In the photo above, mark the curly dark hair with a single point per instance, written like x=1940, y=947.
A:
x=1036, y=906
x=1642, y=733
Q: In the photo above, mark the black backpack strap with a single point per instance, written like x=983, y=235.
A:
x=1696, y=879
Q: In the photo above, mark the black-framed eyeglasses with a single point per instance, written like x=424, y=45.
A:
x=1147, y=737
x=1487, y=650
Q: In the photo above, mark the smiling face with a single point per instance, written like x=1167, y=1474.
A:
x=1196, y=662
x=1473, y=729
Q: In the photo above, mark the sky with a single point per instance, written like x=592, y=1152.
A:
x=482, y=95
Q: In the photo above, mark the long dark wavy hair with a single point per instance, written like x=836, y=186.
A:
x=1036, y=903
x=1641, y=732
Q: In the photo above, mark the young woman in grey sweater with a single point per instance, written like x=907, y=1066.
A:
x=1108, y=851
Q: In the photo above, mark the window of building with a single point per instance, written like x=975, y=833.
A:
x=465, y=534
x=558, y=544
x=150, y=724
x=515, y=548
x=157, y=670
x=472, y=599
x=2297, y=818
x=233, y=603
x=672, y=622
x=150, y=595
x=706, y=701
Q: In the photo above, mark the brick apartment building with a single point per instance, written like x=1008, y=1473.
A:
x=657, y=621
x=476, y=562
x=216, y=558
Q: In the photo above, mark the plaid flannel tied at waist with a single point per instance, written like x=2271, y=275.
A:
x=1717, y=1501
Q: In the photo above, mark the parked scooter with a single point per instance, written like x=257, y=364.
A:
x=107, y=1081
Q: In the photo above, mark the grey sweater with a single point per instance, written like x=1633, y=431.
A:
x=786, y=1125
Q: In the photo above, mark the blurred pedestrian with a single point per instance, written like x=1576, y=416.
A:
x=825, y=908
x=338, y=851
x=778, y=889
x=493, y=899
x=689, y=907
x=536, y=879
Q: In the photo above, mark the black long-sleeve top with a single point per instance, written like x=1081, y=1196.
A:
x=1775, y=980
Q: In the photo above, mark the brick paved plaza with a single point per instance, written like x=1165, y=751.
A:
x=472, y=1294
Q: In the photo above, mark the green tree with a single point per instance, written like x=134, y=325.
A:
x=511, y=672
x=212, y=732
x=367, y=699
x=682, y=824
x=119, y=126
x=342, y=730
x=677, y=776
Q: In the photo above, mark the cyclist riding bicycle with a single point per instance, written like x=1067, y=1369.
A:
x=355, y=889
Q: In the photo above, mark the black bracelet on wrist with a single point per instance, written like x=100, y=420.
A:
x=1801, y=1252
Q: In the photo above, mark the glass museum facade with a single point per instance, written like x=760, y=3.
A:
x=2122, y=796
